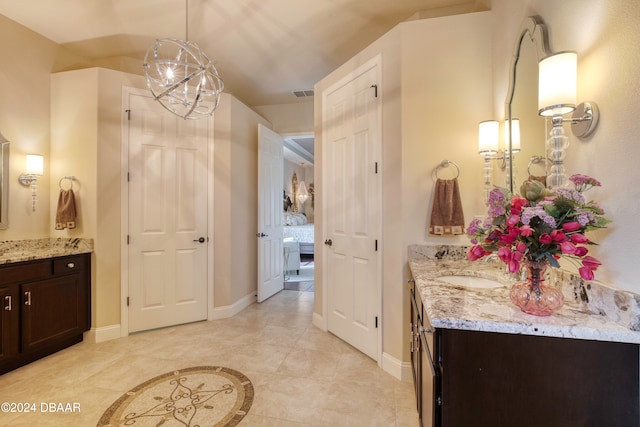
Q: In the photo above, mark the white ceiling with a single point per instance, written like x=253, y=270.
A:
x=263, y=49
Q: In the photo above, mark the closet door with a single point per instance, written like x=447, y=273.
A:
x=352, y=194
x=167, y=217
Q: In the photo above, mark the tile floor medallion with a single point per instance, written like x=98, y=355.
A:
x=198, y=396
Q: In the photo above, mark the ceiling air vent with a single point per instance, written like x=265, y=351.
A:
x=302, y=93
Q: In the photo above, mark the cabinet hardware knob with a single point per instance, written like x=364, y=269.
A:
x=27, y=296
x=328, y=242
x=201, y=240
x=71, y=265
x=7, y=298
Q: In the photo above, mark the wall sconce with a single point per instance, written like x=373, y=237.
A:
x=488, y=142
x=556, y=97
x=34, y=169
x=515, y=141
x=303, y=193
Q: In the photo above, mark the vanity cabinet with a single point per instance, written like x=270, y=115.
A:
x=501, y=379
x=45, y=307
x=426, y=375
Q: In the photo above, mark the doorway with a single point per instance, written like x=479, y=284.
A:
x=298, y=207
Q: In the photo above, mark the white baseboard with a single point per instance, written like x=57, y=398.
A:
x=318, y=321
x=103, y=333
x=233, y=309
x=399, y=369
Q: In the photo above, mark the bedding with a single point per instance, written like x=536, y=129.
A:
x=296, y=227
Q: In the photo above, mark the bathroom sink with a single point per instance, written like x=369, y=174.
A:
x=471, y=281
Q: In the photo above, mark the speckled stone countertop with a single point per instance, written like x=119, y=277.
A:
x=12, y=251
x=490, y=310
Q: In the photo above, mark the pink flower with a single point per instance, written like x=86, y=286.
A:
x=568, y=248
x=517, y=203
x=526, y=230
x=558, y=236
x=581, y=251
x=475, y=253
x=545, y=239
x=571, y=226
x=586, y=273
x=514, y=266
x=591, y=263
x=513, y=220
x=579, y=238
x=504, y=254
x=521, y=247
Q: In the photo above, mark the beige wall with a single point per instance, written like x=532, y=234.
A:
x=86, y=141
x=288, y=119
x=235, y=201
x=29, y=60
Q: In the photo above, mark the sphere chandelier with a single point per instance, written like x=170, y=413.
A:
x=182, y=78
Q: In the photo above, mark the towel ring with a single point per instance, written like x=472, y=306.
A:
x=445, y=164
x=534, y=160
x=70, y=178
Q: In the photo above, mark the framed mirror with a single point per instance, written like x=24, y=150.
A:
x=521, y=105
x=4, y=182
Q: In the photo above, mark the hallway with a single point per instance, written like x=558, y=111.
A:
x=301, y=375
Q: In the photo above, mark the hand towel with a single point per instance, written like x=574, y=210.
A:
x=66, y=213
x=446, y=215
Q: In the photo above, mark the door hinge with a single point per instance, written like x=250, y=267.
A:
x=127, y=301
x=375, y=87
x=128, y=114
x=376, y=167
x=376, y=322
x=128, y=177
x=376, y=245
x=127, y=239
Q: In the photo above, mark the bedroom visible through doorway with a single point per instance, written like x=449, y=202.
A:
x=298, y=213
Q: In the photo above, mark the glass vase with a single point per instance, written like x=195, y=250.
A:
x=533, y=296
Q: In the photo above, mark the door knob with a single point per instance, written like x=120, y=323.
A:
x=261, y=235
x=328, y=242
x=201, y=240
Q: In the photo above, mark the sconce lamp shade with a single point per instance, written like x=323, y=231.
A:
x=303, y=193
x=488, y=134
x=515, y=140
x=557, y=84
x=35, y=164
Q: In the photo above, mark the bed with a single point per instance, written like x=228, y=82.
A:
x=296, y=227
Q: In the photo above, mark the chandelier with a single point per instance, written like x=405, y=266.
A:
x=182, y=78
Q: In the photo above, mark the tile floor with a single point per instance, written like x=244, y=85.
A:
x=301, y=375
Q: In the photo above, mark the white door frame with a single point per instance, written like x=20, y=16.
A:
x=376, y=62
x=124, y=212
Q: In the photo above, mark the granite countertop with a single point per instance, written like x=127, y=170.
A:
x=490, y=310
x=12, y=251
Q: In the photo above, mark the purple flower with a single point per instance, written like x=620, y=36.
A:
x=529, y=213
x=584, y=182
x=570, y=194
x=473, y=227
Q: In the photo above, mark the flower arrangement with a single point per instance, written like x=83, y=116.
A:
x=541, y=225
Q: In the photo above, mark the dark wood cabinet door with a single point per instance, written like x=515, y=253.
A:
x=52, y=309
x=493, y=379
x=8, y=323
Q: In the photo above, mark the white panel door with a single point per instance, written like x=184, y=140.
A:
x=352, y=194
x=167, y=217
x=270, y=186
